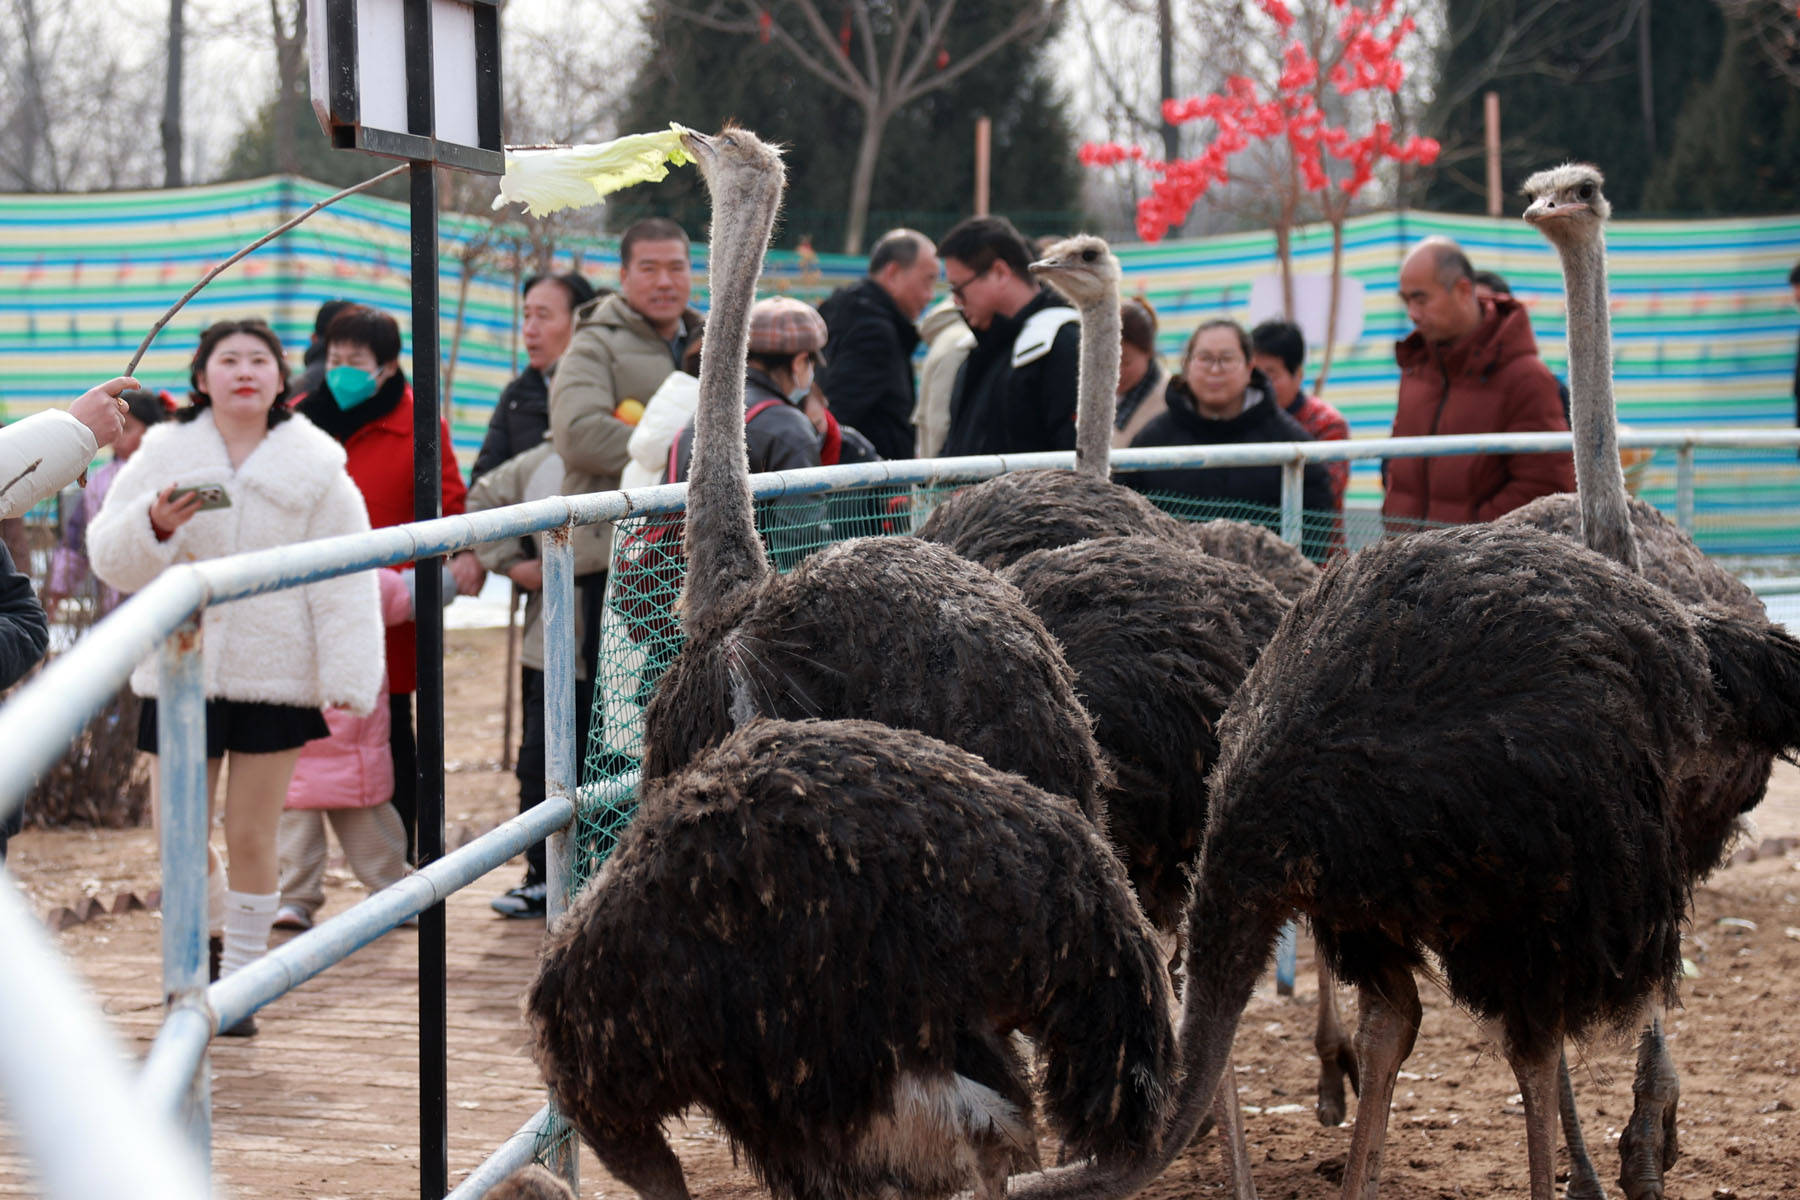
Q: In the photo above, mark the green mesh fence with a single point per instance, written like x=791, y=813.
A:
x=641, y=633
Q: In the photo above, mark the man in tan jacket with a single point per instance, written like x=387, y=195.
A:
x=624, y=346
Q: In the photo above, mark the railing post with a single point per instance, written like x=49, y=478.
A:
x=183, y=828
x=1684, y=487
x=1293, y=492
x=560, y=757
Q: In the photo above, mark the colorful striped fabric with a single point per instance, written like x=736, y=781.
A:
x=1703, y=323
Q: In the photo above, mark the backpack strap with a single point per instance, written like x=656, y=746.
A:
x=750, y=414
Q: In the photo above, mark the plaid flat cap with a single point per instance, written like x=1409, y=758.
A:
x=783, y=325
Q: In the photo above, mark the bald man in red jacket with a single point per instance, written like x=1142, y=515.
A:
x=1469, y=366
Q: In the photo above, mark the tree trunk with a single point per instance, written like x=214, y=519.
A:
x=1646, y=81
x=1165, y=54
x=1336, y=216
x=290, y=91
x=863, y=180
x=171, y=114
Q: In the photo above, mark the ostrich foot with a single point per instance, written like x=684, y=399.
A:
x=1337, y=1058
x=1584, y=1181
x=1336, y=1065
x=1648, y=1145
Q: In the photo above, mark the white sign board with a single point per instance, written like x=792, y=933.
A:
x=375, y=89
x=1312, y=299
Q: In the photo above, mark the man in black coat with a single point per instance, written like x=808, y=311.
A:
x=868, y=375
x=1016, y=391
x=522, y=414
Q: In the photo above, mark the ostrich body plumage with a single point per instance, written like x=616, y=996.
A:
x=892, y=630
x=1159, y=636
x=824, y=933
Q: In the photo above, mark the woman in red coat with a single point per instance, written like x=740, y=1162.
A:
x=367, y=404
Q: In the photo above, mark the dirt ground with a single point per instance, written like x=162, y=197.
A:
x=1457, y=1130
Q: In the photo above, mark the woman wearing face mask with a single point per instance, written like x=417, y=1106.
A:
x=787, y=337
x=367, y=404
x=272, y=661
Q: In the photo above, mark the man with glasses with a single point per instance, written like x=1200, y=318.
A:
x=1469, y=366
x=1016, y=392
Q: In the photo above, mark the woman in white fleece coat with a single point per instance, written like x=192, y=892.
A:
x=271, y=661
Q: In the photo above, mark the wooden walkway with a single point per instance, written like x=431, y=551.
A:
x=323, y=1102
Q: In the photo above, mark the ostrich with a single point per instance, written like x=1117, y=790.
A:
x=1474, y=743
x=825, y=934
x=1570, y=209
x=890, y=629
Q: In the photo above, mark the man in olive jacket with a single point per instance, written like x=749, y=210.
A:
x=624, y=346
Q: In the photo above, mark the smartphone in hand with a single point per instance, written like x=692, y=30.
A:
x=212, y=495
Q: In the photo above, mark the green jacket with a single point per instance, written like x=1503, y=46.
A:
x=613, y=356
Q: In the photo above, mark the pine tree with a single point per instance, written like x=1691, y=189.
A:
x=925, y=175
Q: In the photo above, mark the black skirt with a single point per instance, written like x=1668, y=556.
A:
x=244, y=726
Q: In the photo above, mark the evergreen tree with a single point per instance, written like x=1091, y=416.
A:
x=254, y=154
x=1755, y=167
x=1603, y=83
x=925, y=174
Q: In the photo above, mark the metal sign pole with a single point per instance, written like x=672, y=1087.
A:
x=434, y=1131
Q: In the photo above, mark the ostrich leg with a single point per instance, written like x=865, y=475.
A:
x=1386, y=1030
x=1230, y=1116
x=1647, y=1147
x=1337, y=1058
x=1584, y=1181
x=1536, y=1073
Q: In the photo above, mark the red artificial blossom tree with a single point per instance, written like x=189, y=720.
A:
x=1289, y=117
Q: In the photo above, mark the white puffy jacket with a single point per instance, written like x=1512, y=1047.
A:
x=39, y=456
x=317, y=645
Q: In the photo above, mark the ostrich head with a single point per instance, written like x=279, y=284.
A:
x=1567, y=203
x=1082, y=268
x=734, y=161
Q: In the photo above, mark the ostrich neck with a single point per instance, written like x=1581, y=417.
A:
x=1599, y=481
x=723, y=552
x=1097, y=388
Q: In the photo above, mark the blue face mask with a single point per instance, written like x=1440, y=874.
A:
x=350, y=386
x=798, y=396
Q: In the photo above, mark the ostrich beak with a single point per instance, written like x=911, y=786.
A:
x=1042, y=265
x=1545, y=208
x=695, y=142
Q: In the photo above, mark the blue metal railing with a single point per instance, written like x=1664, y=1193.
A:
x=61, y=1070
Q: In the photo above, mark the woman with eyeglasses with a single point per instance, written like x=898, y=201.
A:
x=1220, y=399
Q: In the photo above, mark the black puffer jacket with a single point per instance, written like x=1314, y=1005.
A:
x=868, y=375
x=24, y=633
x=1261, y=421
x=521, y=420
x=1015, y=395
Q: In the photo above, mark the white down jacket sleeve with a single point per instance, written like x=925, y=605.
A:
x=346, y=611
x=39, y=456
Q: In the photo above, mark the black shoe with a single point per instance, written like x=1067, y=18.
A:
x=525, y=901
x=215, y=954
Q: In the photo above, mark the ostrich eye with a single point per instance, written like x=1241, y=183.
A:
x=731, y=141
x=1585, y=191
x=1089, y=255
